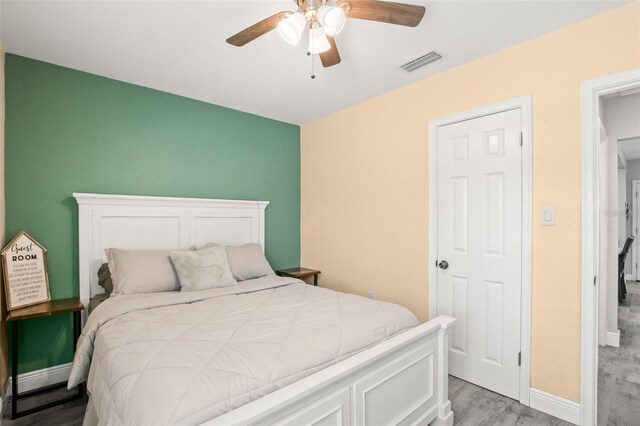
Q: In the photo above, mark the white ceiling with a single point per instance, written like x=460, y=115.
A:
x=179, y=47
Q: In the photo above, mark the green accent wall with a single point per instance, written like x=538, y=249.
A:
x=68, y=131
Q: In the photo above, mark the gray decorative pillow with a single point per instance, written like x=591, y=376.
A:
x=104, y=279
x=141, y=271
x=203, y=269
x=96, y=300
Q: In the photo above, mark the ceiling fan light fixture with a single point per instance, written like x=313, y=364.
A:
x=291, y=28
x=318, y=41
x=325, y=19
x=332, y=19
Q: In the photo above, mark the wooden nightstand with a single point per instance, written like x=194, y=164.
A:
x=300, y=273
x=47, y=309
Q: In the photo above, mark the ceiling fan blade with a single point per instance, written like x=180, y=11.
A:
x=408, y=15
x=331, y=57
x=256, y=30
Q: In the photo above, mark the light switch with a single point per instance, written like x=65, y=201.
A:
x=548, y=216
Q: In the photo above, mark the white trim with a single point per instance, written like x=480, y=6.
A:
x=143, y=200
x=40, y=378
x=524, y=104
x=603, y=240
x=556, y=406
x=590, y=92
x=613, y=338
x=527, y=224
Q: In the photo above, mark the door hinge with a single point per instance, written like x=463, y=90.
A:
x=521, y=139
x=595, y=280
x=519, y=359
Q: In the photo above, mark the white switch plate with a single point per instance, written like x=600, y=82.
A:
x=548, y=216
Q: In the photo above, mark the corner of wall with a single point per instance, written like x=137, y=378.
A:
x=3, y=324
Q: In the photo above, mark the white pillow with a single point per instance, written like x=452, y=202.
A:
x=203, y=269
x=246, y=261
x=141, y=271
x=204, y=247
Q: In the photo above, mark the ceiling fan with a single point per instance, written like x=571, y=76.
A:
x=325, y=21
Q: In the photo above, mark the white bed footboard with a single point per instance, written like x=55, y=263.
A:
x=401, y=381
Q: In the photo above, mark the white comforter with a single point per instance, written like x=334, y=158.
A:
x=185, y=358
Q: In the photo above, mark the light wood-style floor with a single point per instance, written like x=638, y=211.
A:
x=619, y=368
x=476, y=406
x=69, y=414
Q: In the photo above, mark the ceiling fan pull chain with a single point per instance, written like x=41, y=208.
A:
x=313, y=73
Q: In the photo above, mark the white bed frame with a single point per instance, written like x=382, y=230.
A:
x=403, y=380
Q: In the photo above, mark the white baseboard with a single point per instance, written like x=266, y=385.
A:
x=39, y=378
x=628, y=277
x=613, y=338
x=556, y=406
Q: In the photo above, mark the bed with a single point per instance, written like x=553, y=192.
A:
x=271, y=350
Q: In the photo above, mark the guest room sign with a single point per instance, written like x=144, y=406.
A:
x=24, y=268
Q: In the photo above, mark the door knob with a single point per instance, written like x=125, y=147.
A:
x=443, y=264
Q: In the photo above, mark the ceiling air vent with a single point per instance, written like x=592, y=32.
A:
x=421, y=61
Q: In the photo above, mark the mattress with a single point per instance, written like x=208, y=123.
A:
x=185, y=358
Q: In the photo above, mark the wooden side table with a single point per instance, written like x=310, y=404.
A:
x=300, y=273
x=41, y=310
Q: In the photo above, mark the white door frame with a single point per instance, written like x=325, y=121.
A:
x=603, y=326
x=635, y=259
x=590, y=91
x=524, y=104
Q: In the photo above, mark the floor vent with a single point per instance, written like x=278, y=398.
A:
x=421, y=61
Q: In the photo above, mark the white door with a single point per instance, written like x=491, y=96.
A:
x=479, y=236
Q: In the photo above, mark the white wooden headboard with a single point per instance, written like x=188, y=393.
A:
x=158, y=223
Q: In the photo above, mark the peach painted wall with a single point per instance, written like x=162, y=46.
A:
x=365, y=170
